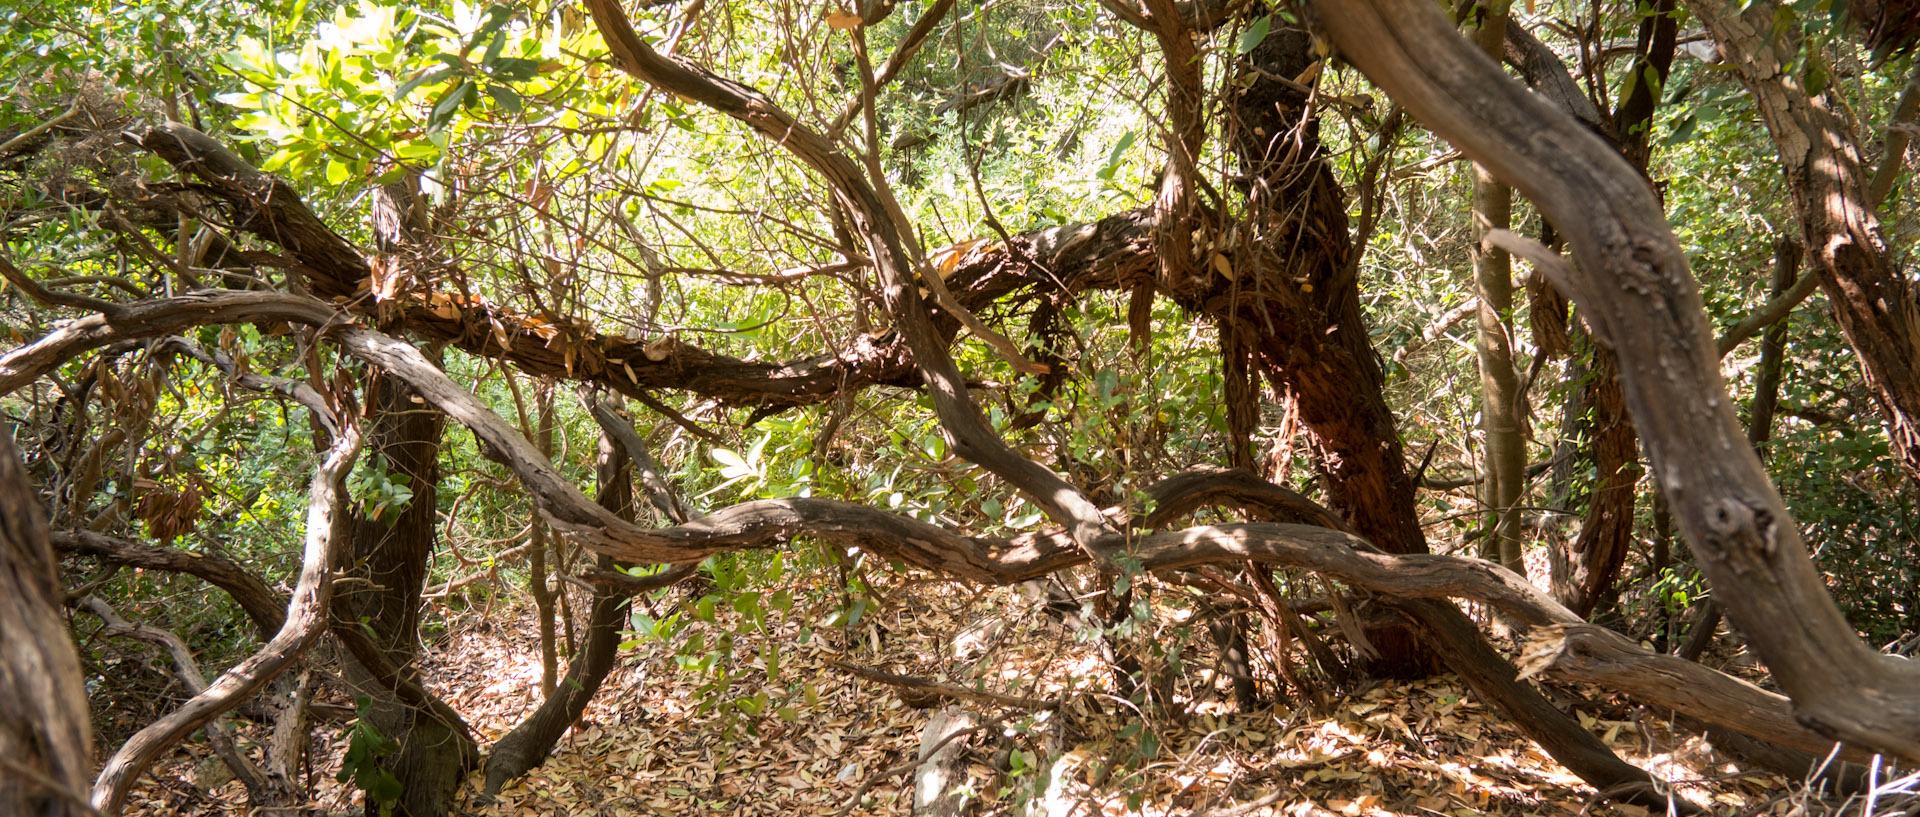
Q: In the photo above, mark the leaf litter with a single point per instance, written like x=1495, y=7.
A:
x=776, y=729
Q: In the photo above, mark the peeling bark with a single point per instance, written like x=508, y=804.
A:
x=1640, y=297
x=1872, y=300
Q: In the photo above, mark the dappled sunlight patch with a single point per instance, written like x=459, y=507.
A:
x=806, y=737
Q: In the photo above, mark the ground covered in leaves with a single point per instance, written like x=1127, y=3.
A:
x=743, y=715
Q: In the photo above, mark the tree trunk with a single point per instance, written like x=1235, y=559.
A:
x=1500, y=421
x=1312, y=336
x=529, y=744
x=1633, y=281
x=1872, y=299
x=1586, y=572
x=46, y=739
x=537, y=569
x=389, y=552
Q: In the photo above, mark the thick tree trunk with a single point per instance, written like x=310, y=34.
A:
x=1639, y=295
x=1306, y=319
x=389, y=554
x=46, y=739
x=1872, y=299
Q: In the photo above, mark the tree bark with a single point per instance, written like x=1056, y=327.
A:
x=266, y=608
x=1500, y=421
x=529, y=744
x=388, y=556
x=1494, y=680
x=46, y=738
x=1294, y=293
x=327, y=527
x=1633, y=280
x=1819, y=151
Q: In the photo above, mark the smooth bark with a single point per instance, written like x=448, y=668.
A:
x=1505, y=448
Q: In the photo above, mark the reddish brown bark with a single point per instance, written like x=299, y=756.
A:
x=1820, y=153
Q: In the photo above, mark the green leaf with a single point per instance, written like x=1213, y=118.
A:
x=497, y=16
x=450, y=103
x=494, y=48
x=507, y=98
x=338, y=172
x=514, y=69
x=1254, y=35
x=1118, y=153
x=424, y=77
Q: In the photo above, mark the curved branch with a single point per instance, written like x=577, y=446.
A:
x=972, y=437
x=1073, y=257
x=774, y=522
x=190, y=675
x=1634, y=283
x=1189, y=490
x=306, y=619
x=147, y=319
x=267, y=609
x=1493, y=679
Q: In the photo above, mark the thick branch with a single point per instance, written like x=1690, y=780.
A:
x=971, y=435
x=1632, y=279
x=267, y=609
x=148, y=319
x=1105, y=254
x=306, y=618
x=189, y=673
x=1587, y=653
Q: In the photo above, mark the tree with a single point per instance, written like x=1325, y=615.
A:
x=555, y=191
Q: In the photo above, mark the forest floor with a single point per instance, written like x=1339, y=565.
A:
x=776, y=728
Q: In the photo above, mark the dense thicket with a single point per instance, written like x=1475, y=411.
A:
x=336, y=309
